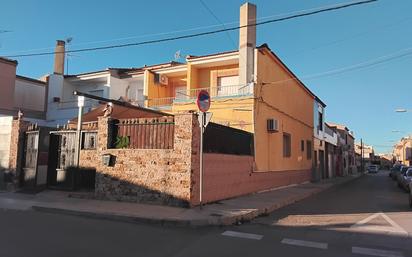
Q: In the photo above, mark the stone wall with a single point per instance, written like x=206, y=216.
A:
x=146, y=175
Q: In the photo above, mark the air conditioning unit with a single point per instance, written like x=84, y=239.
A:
x=272, y=125
x=161, y=79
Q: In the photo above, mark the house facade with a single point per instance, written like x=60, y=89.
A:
x=331, y=142
x=319, y=160
x=18, y=93
x=345, y=163
x=267, y=128
x=402, y=151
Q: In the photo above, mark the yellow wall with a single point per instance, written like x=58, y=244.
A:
x=292, y=106
x=236, y=112
x=233, y=112
x=155, y=91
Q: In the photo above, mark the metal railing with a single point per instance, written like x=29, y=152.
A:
x=215, y=92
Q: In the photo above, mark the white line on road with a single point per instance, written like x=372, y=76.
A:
x=242, y=235
x=305, y=243
x=394, y=227
x=376, y=252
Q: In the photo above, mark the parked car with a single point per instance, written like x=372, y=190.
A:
x=394, y=170
x=406, y=179
x=410, y=194
x=400, y=174
x=373, y=168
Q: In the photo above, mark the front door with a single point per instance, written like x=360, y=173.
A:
x=31, y=150
x=62, y=159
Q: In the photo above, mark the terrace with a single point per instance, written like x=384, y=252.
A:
x=217, y=92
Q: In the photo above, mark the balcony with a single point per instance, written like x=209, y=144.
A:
x=219, y=92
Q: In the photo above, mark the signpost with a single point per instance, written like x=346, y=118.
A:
x=203, y=103
x=80, y=104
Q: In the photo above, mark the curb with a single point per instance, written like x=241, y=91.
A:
x=212, y=221
x=114, y=216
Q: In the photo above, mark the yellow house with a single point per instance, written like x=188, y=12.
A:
x=251, y=89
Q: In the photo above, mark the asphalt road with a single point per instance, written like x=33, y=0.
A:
x=366, y=217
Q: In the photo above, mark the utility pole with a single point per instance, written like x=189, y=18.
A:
x=362, y=168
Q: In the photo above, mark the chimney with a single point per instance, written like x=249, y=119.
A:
x=247, y=43
x=59, y=57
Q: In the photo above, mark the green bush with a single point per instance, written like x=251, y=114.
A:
x=122, y=142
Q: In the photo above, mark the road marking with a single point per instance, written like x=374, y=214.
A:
x=393, y=228
x=376, y=252
x=242, y=235
x=304, y=243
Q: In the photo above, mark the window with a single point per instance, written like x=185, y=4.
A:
x=302, y=145
x=226, y=86
x=320, y=121
x=309, y=149
x=89, y=140
x=286, y=145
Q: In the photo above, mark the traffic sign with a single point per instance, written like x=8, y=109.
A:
x=203, y=101
x=204, y=118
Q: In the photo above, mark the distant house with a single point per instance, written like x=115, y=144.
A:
x=18, y=93
x=402, y=150
x=346, y=163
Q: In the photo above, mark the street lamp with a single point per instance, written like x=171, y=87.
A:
x=401, y=110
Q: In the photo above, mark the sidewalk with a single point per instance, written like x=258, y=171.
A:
x=225, y=212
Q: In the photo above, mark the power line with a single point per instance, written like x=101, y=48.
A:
x=173, y=31
x=218, y=20
x=333, y=8
x=362, y=65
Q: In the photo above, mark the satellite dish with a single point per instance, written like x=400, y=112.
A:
x=69, y=40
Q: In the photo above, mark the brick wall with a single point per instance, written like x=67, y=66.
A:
x=146, y=175
x=19, y=127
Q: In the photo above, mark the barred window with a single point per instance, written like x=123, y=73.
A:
x=309, y=149
x=89, y=140
x=287, y=145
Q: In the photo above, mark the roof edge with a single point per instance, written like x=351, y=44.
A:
x=266, y=46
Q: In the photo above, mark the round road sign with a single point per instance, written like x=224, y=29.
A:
x=203, y=101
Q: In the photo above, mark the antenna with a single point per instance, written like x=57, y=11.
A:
x=68, y=40
x=177, y=55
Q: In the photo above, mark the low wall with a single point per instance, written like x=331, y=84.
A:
x=226, y=176
x=146, y=175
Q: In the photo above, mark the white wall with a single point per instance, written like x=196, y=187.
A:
x=29, y=95
x=331, y=139
x=118, y=87
x=55, y=89
x=135, y=91
x=5, y=134
x=318, y=108
x=66, y=109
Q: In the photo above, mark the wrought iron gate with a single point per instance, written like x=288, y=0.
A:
x=62, y=158
x=31, y=156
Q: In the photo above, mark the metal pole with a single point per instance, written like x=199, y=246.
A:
x=80, y=104
x=201, y=159
x=362, y=168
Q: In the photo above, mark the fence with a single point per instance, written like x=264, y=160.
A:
x=144, y=133
x=183, y=95
x=227, y=140
x=216, y=92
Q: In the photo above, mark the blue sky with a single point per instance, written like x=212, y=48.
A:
x=363, y=99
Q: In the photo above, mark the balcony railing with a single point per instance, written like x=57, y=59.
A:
x=215, y=93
